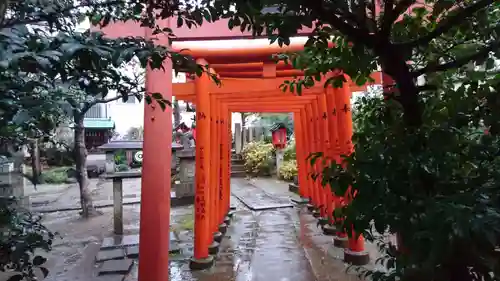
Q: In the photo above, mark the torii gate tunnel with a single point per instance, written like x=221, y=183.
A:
x=250, y=82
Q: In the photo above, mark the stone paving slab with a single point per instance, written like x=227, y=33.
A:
x=132, y=252
x=255, y=198
x=119, y=242
x=116, y=267
x=117, y=277
x=112, y=254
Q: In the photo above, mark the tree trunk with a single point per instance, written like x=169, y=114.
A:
x=36, y=166
x=406, y=91
x=81, y=168
x=177, y=113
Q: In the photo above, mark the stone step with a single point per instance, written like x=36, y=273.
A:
x=238, y=174
x=237, y=162
x=237, y=168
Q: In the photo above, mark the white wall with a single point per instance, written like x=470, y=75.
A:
x=129, y=115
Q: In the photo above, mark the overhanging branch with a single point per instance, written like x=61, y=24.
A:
x=88, y=105
x=392, y=14
x=447, y=23
x=6, y=23
x=357, y=35
x=481, y=54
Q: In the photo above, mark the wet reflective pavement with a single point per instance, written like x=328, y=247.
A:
x=256, y=199
x=259, y=246
x=281, y=244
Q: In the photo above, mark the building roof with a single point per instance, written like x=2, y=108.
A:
x=98, y=123
x=277, y=126
x=131, y=145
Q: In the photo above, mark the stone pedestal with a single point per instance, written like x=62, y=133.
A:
x=109, y=166
x=12, y=181
x=237, y=138
x=280, y=153
x=187, y=166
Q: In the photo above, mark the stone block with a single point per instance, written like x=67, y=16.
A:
x=119, y=241
x=111, y=254
x=116, y=267
x=117, y=277
x=132, y=252
x=174, y=248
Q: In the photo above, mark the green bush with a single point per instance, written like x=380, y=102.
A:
x=288, y=170
x=120, y=157
x=122, y=168
x=56, y=175
x=289, y=153
x=258, y=157
x=57, y=156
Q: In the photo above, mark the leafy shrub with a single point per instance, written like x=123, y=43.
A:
x=122, y=168
x=288, y=170
x=57, y=175
x=22, y=234
x=289, y=153
x=120, y=157
x=435, y=187
x=258, y=158
x=54, y=156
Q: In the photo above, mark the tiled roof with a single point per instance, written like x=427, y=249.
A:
x=98, y=123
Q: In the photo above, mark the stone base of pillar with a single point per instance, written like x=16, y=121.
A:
x=200, y=264
x=316, y=214
x=329, y=230
x=213, y=249
x=356, y=258
x=218, y=236
x=230, y=214
x=340, y=242
x=322, y=221
x=232, y=208
x=223, y=228
x=227, y=220
x=300, y=201
x=311, y=207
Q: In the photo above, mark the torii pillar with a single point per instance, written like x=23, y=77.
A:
x=154, y=235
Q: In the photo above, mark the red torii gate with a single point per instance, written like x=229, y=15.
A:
x=323, y=114
x=155, y=196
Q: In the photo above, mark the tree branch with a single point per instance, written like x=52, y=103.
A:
x=356, y=35
x=88, y=105
x=448, y=23
x=43, y=17
x=481, y=54
x=392, y=14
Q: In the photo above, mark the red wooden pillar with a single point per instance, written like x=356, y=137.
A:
x=317, y=148
x=227, y=164
x=334, y=151
x=356, y=253
x=155, y=185
x=202, y=233
x=312, y=148
x=214, y=219
x=300, y=152
x=225, y=153
x=306, y=128
x=325, y=137
x=220, y=139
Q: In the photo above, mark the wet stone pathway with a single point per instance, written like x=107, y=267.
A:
x=256, y=199
x=279, y=244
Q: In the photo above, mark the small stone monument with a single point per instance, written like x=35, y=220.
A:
x=185, y=185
